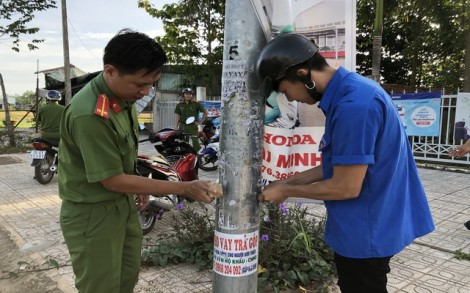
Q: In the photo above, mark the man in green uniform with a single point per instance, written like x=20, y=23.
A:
x=190, y=108
x=98, y=150
x=49, y=116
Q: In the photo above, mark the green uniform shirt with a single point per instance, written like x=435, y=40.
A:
x=49, y=118
x=93, y=147
x=190, y=109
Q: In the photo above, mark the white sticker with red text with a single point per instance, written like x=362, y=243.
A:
x=236, y=255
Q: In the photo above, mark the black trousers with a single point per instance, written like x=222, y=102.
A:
x=362, y=275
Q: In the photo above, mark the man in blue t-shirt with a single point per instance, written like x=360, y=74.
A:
x=376, y=204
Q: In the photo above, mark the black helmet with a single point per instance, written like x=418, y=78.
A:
x=186, y=90
x=282, y=53
x=53, y=95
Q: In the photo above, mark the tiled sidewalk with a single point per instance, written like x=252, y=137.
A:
x=30, y=210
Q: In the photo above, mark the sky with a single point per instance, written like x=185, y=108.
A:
x=91, y=24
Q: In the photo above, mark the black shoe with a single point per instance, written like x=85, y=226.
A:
x=467, y=224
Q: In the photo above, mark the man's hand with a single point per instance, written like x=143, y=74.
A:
x=142, y=201
x=274, y=193
x=200, y=190
x=460, y=151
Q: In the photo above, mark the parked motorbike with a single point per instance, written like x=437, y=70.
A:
x=176, y=161
x=156, y=167
x=45, y=159
x=207, y=130
x=208, y=157
x=171, y=144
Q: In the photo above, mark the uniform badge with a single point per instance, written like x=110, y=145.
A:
x=102, y=106
x=115, y=105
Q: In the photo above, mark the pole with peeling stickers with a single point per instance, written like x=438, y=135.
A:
x=236, y=237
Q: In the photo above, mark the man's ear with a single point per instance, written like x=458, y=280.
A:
x=302, y=72
x=110, y=70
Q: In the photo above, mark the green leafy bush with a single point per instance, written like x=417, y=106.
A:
x=292, y=253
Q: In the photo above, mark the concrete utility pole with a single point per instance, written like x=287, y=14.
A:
x=65, y=37
x=236, y=236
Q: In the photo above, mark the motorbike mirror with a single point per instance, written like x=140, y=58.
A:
x=190, y=120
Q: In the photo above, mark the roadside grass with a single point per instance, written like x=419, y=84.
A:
x=16, y=116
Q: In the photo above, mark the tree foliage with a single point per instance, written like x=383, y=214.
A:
x=193, y=35
x=15, y=16
x=26, y=100
x=423, y=42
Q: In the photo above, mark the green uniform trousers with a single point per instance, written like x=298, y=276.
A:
x=105, y=241
x=192, y=128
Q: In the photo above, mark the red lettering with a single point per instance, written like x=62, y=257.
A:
x=315, y=159
x=281, y=140
x=283, y=161
x=218, y=267
x=298, y=159
x=236, y=270
x=228, y=269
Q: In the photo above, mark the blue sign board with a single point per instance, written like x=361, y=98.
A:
x=420, y=113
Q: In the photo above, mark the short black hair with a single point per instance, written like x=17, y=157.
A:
x=317, y=62
x=130, y=51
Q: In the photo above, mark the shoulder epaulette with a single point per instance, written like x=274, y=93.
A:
x=102, y=106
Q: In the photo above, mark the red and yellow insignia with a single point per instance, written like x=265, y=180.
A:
x=115, y=105
x=102, y=106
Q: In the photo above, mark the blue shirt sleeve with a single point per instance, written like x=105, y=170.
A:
x=355, y=127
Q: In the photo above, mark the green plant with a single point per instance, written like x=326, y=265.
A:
x=460, y=255
x=190, y=242
x=292, y=253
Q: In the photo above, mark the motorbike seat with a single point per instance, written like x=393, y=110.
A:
x=51, y=142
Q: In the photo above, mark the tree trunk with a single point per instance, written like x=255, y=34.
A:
x=377, y=42
x=9, y=125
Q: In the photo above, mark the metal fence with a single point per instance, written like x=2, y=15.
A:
x=164, y=114
x=433, y=149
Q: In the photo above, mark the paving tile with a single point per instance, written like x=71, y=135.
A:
x=427, y=265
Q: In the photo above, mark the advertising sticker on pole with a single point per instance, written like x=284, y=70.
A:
x=235, y=255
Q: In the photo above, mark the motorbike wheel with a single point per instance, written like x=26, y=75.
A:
x=147, y=221
x=42, y=172
x=207, y=163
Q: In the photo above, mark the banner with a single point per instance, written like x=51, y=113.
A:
x=289, y=151
x=462, y=119
x=293, y=130
x=420, y=113
x=212, y=107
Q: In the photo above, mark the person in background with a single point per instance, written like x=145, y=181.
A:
x=460, y=152
x=98, y=186
x=368, y=179
x=49, y=116
x=190, y=108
